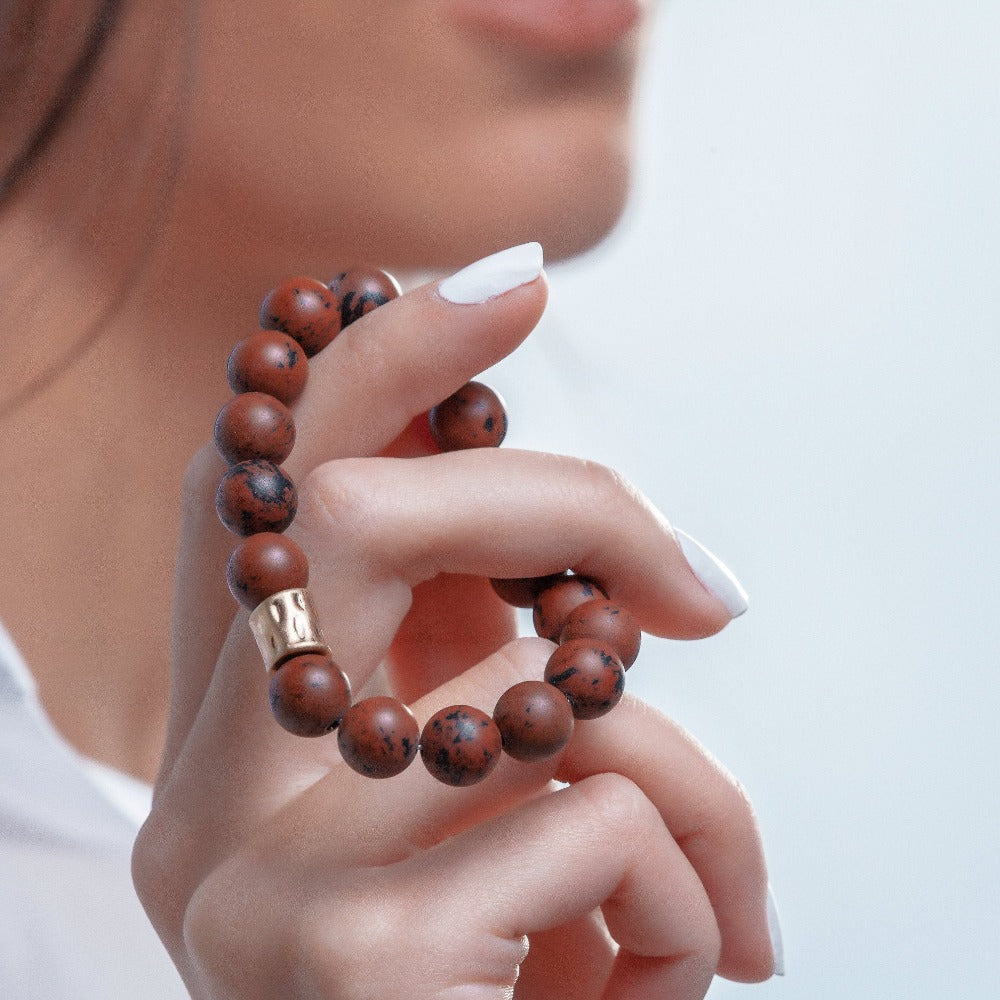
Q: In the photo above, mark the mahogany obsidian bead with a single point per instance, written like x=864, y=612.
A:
x=473, y=417
x=269, y=362
x=263, y=565
x=590, y=676
x=305, y=309
x=309, y=693
x=557, y=602
x=256, y=496
x=522, y=592
x=608, y=623
x=535, y=720
x=460, y=745
x=254, y=425
x=362, y=289
x=378, y=737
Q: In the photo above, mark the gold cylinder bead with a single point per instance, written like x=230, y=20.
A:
x=285, y=625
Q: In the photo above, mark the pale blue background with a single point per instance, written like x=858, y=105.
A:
x=792, y=346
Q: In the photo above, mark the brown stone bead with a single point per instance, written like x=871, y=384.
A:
x=378, y=737
x=473, y=417
x=263, y=565
x=556, y=603
x=460, y=745
x=535, y=720
x=589, y=674
x=254, y=425
x=362, y=289
x=269, y=362
x=256, y=496
x=309, y=693
x=522, y=592
x=305, y=309
x=608, y=623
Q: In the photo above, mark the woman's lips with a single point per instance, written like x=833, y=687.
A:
x=558, y=26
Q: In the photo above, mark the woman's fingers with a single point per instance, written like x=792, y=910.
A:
x=705, y=809
x=376, y=528
x=502, y=513
x=600, y=843
x=367, y=392
x=398, y=361
x=456, y=917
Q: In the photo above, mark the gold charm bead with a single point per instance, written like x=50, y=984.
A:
x=285, y=625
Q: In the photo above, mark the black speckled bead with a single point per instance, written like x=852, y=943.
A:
x=265, y=564
x=590, y=676
x=256, y=496
x=535, y=720
x=305, y=309
x=378, y=737
x=254, y=425
x=362, y=289
x=460, y=745
x=608, y=623
x=309, y=693
x=269, y=362
x=556, y=603
x=473, y=417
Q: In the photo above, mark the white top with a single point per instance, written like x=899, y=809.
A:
x=72, y=925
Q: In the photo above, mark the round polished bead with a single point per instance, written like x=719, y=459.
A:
x=473, y=417
x=608, y=623
x=256, y=496
x=522, y=592
x=557, y=602
x=460, y=745
x=263, y=565
x=378, y=737
x=590, y=676
x=305, y=309
x=309, y=693
x=269, y=362
x=254, y=425
x=362, y=289
x=535, y=720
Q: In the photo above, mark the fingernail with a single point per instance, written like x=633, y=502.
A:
x=493, y=275
x=714, y=575
x=774, y=929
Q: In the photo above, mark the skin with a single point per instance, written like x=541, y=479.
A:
x=657, y=846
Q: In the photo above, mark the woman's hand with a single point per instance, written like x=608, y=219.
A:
x=271, y=869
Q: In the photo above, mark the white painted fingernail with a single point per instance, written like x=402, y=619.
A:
x=493, y=275
x=714, y=575
x=774, y=929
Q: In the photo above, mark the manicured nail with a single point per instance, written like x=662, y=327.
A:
x=493, y=275
x=714, y=575
x=774, y=929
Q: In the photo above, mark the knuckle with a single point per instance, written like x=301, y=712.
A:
x=724, y=819
x=338, y=500
x=606, y=488
x=619, y=805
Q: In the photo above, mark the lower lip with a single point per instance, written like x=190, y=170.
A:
x=559, y=26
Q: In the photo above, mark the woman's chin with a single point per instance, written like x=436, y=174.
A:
x=568, y=211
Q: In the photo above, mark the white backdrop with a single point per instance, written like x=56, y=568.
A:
x=791, y=344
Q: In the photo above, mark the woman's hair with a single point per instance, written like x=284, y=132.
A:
x=68, y=94
x=168, y=134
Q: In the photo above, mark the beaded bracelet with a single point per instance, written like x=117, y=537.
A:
x=268, y=573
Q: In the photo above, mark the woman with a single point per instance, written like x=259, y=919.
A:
x=166, y=163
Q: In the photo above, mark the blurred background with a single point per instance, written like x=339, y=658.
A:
x=792, y=345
